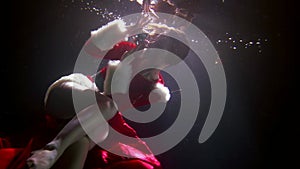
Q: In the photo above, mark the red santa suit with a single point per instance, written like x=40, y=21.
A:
x=139, y=90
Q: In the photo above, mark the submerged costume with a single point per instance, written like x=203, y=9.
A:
x=59, y=105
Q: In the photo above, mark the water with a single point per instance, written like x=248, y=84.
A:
x=96, y=9
x=238, y=42
x=116, y=8
x=252, y=38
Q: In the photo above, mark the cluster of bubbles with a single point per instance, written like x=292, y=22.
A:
x=234, y=41
x=92, y=7
x=237, y=42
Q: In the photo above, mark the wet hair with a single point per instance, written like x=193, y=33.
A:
x=166, y=6
x=164, y=42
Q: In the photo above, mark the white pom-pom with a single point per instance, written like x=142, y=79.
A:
x=163, y=91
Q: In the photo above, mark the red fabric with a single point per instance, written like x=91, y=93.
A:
x=118, y=50
x=7, y=155
x=15, y=158
x=140, y=155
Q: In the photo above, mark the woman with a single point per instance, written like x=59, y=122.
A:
x=58, y=101
x=72, y=143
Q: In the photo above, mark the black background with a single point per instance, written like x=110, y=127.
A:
x=43, y=38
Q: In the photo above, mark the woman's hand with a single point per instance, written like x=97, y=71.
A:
x=138, y=27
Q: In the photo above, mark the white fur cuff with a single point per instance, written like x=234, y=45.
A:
x=108, y=35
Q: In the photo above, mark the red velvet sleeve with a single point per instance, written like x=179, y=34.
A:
x=118, y=50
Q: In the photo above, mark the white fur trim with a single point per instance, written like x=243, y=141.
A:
x=121, y=80
x=108, y=35
x=163, y=91
x=111, y=68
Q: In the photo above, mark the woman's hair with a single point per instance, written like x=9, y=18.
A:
x=166, y=6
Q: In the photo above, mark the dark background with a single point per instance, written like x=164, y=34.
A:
x=42, y=40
